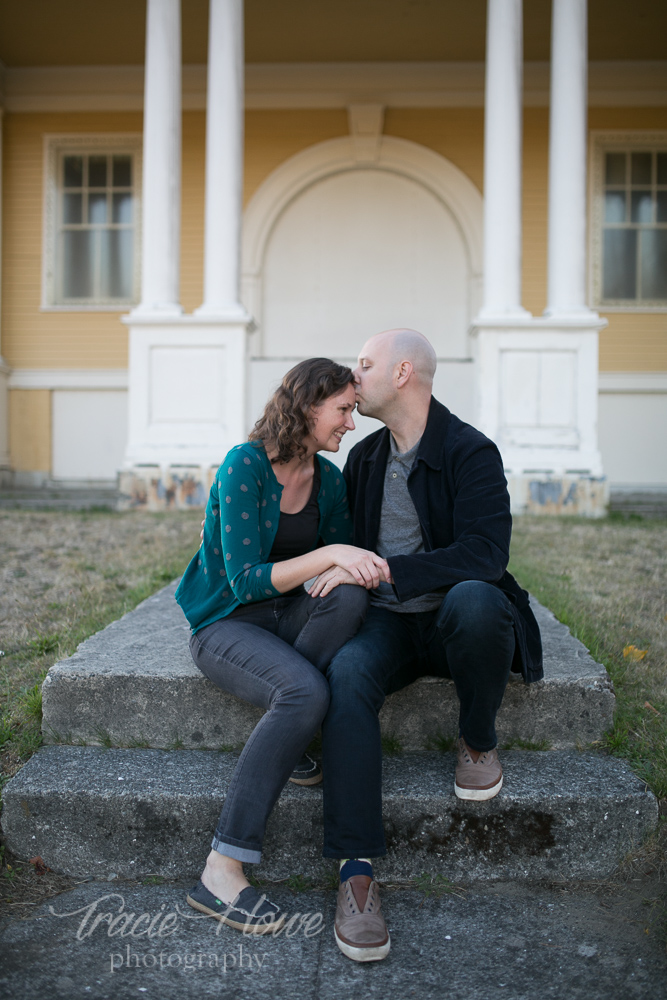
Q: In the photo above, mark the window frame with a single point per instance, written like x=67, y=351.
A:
x=603, y=142
x=56, y=147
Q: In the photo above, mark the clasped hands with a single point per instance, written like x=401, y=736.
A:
x=351, y=565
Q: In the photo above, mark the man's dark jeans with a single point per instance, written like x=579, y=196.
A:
x=470, y=638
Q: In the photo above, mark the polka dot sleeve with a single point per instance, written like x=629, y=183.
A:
x=241, y=492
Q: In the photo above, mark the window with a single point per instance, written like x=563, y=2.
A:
x=92, y=223
x=629, y=255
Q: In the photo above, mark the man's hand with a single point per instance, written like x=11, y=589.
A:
x=367, y=568
x=331, y=578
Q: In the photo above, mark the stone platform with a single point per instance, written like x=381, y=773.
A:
x=135, y=683
x=88, y=811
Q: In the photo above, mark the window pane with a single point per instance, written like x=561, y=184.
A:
x=77, y=247
x=97, y=208
x=122, y=208
x=620, y=264
x=662, y=168
x=122, y=171
x=73, y=171
x=72, y=208
x=97, y=171
x=117, y=263
x=662, y=206
x=641, y=168
x=615, y=168
x=654, y=263
x=642, y=206
x=614, y=206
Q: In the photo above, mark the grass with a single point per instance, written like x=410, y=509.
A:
x=64, y=576
x=607, y=581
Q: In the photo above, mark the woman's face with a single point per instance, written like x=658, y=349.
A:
x=331, y=419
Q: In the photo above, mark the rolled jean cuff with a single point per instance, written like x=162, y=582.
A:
x=232, y=851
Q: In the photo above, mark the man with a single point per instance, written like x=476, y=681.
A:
x=427, y=493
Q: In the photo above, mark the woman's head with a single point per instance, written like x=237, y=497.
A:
x=313, y=403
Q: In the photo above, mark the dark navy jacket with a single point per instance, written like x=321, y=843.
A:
x=460, y=494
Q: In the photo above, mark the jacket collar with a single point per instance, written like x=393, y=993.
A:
x=430, y=446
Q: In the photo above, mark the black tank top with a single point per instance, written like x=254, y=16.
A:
x=297, y=533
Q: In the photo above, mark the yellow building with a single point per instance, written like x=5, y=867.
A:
x=464, y=171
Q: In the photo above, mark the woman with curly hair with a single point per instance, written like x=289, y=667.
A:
x=277, y=516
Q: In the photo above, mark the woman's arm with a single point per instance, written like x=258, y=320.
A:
x=237, y=519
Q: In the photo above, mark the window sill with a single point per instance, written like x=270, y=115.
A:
x=115, y=308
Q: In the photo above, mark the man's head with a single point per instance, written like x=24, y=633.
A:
x=395, y=370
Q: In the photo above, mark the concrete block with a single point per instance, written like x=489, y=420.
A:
x=135, y=683
x=94, y=812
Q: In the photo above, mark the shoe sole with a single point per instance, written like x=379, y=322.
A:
x=307, y=781
x=478, y=794
x=364, y=954
x=246, y=928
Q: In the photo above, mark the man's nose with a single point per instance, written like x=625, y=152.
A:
x=355, y=376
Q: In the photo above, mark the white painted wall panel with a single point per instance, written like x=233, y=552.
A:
x=89, y=433
x=633, y=438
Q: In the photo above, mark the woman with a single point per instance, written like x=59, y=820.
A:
x=277, y=516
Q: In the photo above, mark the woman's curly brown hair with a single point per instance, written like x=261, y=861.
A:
x=286, y=420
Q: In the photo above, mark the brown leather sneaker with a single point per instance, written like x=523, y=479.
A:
x=360, y=930
x=478, y=780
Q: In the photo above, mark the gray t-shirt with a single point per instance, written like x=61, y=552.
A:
x=400, y=532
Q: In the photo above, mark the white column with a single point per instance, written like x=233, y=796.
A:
x=502, y=160
x=224, y=159
x=567, y=160
x=161, y=198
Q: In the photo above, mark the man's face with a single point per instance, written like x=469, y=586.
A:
x=373, y=378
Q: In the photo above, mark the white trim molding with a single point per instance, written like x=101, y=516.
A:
x=632, y=382
x=327, y=85
x=68, y=378
x=399, y=156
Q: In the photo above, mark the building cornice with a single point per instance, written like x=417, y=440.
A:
x=326, y=85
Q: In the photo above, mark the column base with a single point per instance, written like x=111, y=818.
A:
x=172, y=487
x=573, y=495
x=537, y=399
x=187, y=407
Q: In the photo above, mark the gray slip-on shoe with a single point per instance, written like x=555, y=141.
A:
x=249, y=912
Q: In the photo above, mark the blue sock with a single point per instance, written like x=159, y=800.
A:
x=355, y=866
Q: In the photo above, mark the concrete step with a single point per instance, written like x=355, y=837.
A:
x=135, y=683
x=94, y=812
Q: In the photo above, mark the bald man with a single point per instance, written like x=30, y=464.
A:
x=427, y=493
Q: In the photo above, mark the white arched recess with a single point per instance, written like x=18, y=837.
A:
x=418, y=260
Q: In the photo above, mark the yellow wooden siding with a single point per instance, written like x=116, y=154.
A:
x=32, y=338
x=271, y=137
x=35, y=339
x=30, y=430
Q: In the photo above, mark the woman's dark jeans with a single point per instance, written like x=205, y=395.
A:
x=470, y=638
x=274, y=654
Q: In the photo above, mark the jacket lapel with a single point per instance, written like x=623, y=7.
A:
x=375, y=464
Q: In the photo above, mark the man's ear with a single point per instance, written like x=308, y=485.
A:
x=403, y=372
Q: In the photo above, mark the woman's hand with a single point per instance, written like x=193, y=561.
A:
x=366, y=568
x=331, y=578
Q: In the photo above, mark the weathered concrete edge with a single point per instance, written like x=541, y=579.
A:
x=71, y=807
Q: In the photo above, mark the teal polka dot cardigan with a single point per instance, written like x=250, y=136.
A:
x=242, y=517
